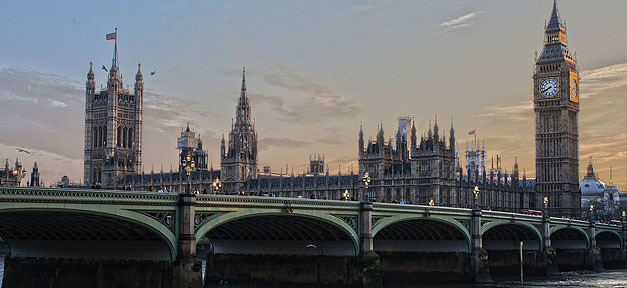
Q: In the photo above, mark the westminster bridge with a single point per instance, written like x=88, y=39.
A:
x=146, y=239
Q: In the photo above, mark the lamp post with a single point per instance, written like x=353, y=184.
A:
x=591, y=212
x=546, y=206
x=19, y=175
x=189, y=164
x=346, y=195
x=366, y=179
x=476, y=191
x=216, y=186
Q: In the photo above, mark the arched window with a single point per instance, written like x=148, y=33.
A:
x=95, y=139
x=119, y=136
x=124, y=138
x=130, y=137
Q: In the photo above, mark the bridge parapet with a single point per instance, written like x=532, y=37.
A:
x=8, y=194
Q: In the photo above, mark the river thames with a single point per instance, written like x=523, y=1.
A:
x=611, y=278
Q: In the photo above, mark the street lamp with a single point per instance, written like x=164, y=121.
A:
x=591, y=212
x=476, y=197
x=546, y=205
x=216, y=186
x=366, y=180
x=19, y=175
x=346, y=195
x=189, y=164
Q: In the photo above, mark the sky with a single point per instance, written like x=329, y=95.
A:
x=316, y=70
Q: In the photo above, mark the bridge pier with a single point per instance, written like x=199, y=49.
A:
x=593, y=255
x=368, y=261
x=187, y=268
x=479, y=268
x=548, y=255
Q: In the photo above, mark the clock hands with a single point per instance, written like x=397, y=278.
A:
x=546, y=89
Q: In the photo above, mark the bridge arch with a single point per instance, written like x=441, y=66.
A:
x=84, y=231
x=507, y=235
x=569, y=237
x=250, y=231
x=608, y=239
x=418, y=233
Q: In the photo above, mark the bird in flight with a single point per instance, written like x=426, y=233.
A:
x=22, y=150
x=153, y=73
x=104, y=68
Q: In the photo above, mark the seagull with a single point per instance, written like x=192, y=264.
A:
x=104, y=68
x=22, y=150
x=153, y=73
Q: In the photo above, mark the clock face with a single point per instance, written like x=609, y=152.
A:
x=549, y=88
x=573, y=89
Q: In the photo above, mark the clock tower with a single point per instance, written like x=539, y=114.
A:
x=556, y=106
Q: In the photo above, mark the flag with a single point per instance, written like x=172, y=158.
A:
x=472, y=132
x=111, y=36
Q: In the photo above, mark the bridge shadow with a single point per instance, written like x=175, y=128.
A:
x=422, y=250
x=503, y=245
x=277, y=249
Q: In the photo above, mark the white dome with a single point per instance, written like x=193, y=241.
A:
x=590, y=186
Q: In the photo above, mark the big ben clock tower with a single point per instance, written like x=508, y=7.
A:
x=556, y=105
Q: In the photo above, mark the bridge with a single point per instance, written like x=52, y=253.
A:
x=113, y=236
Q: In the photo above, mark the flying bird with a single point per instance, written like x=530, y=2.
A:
x=104, y=68
x=22, y=150
x=153, y=73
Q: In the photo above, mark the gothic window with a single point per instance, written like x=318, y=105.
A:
x=95, y=139
x=130, y=138
x=125, y=131
x=119, y=136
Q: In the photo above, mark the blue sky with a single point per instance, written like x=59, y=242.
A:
x=316, y=69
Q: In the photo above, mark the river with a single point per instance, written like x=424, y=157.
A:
x=612, y=278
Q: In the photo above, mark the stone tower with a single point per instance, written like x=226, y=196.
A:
x=113, y=128
x=556, y=106
x=34, y=176
x=238, y=160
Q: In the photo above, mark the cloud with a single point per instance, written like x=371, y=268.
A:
x=597, y=80
x=459, y=22
x=361, y=7
x=333, y=136
x=266, y=144
x=310, y=101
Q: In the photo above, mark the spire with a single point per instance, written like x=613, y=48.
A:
x=555, y=22
x=187, y=130
x=90, y=74
x=435, y=128
x=139, y=76
x=243, y=93
x=430, y=131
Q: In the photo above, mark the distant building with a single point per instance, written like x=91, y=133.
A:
x=594, y=190
x=113, y=128
x=12, y=176
x=190, y=144
x=34, y=176
x=316, y=164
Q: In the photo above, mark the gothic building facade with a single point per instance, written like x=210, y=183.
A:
x=238, y=159
x=12, y=176
x=113, y=128
x=556, y=106
x=426, y=169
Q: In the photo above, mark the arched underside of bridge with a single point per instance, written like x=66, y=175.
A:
x=509, y=236
x=280, y=235
x=607, y=239
x=569, y=238
x=73, y=234
x=421, y=235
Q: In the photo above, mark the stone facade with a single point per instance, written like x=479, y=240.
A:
x=238, y=160
x=113, y=128
x=556, y=106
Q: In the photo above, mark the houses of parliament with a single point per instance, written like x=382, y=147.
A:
x=409, y=168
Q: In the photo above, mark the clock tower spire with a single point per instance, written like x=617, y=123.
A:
x=556, y=107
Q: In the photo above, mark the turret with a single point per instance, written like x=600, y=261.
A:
x=414, y=141
x=452, y=137
x=361, y=140
x=436, y=133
